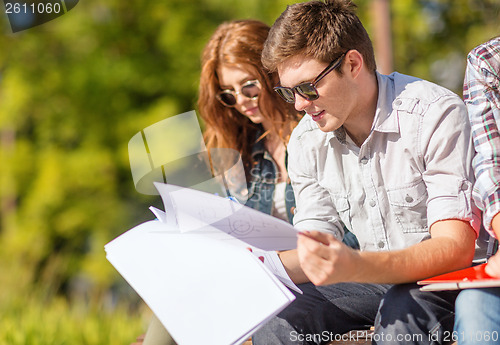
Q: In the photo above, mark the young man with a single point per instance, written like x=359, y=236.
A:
x=389, y=157
x=478, y=310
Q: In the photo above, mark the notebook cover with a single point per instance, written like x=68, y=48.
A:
x=466, y=275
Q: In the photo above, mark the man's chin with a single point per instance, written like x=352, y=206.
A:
x=324, y=126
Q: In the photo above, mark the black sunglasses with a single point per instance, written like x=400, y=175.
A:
x=307, y=90
x=249, y=89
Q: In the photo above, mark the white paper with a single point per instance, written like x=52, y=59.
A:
x=159, y=214
x=198, y=287
x=193, y=210
x=273, y=262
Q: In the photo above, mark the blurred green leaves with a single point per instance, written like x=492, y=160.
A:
x=72, y=93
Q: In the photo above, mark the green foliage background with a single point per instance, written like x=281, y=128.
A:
x=75, y=90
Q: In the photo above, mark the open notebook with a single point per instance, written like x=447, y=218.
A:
x=472, y=277
x=193, y=269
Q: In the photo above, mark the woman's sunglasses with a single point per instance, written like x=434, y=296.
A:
x=249, y=89
x=307, y=90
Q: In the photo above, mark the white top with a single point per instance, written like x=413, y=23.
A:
x=413, y=170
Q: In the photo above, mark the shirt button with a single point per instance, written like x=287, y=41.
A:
x=397, y=103
x=381, y=244
x=364, y=160
x=372, y=203
x=464, y=186
x=408, y=198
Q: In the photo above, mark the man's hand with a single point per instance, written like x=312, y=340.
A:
x=324, y=259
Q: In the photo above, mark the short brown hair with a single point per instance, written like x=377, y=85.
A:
x=319, y=29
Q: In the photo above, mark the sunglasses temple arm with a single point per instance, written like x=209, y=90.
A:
x=329, y=69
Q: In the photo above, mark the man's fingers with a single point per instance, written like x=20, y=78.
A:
x=310, y=247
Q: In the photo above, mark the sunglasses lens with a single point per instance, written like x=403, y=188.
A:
x=250, y=90
x=308, y=91
x=286, y=93
x=227, y=98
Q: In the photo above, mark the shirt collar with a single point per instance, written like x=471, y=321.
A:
x=385, y=119
x=258, y=146
x=339, y=133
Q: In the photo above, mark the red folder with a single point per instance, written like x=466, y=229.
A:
x=472, y=277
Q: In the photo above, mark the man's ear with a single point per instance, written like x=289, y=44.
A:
x=354, y=62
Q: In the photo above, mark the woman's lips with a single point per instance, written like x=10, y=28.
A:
x=251, y=111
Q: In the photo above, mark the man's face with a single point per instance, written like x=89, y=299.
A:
x=335, y=103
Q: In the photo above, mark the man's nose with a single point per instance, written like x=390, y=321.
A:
x=301, y=103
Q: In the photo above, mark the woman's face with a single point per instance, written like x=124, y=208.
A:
x=232, y=79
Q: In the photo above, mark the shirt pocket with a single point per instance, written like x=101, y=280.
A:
x=409, y=206
x=343, y=209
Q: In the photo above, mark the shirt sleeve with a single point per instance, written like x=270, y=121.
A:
x=482, y=98
x=314, y=206
x=447, y=155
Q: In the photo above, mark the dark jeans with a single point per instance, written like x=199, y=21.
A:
x=402, y=314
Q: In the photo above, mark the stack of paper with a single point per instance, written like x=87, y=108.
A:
x=195, y=272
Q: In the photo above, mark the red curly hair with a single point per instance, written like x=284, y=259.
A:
x=239, y=44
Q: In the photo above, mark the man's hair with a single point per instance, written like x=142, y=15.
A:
x=319, y=29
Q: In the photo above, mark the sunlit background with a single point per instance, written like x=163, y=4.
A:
x=75, y=90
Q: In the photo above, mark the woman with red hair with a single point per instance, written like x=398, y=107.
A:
x=242, y=112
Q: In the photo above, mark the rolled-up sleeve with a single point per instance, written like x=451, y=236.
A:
x=315, y=210
x=447, y=154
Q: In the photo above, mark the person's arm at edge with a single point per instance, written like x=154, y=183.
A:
x=326, y=260
x=493, y=266
x=482, y=115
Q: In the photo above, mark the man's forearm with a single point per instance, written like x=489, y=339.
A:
x=325, y=260
x=440, y=254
